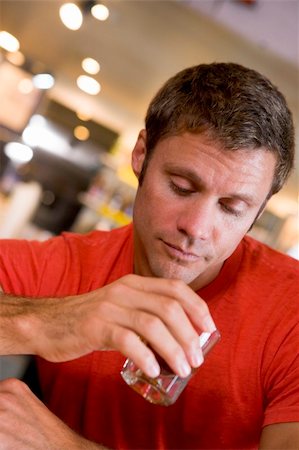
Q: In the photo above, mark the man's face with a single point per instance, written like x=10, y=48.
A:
x=195, y=204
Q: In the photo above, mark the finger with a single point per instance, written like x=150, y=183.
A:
x=165, y=337
x=169, y=332
x=171, y=312
x=131, y=346
x=193, y=304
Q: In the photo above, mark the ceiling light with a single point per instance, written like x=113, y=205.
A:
x=18, y=153
x=43, y=81
x=16, y=58
x=39, y=133
x=100, y=12
x=38, y=120
x=71, y=16
x=88, y=85
x=9, y=42
x=84, y=116
x=81, y=133
x=34, y=136
x=25, y=86
x=90, y=65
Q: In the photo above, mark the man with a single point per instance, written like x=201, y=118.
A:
x=218, y=143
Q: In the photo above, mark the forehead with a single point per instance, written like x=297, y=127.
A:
x=199, y=158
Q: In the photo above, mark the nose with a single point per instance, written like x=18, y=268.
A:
x=197, y=219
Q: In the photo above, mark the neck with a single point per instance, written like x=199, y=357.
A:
x=206, y=277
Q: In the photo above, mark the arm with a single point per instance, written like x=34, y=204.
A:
x=280, y=436
x=26, y=424
x=111, y=317
x=114, y=317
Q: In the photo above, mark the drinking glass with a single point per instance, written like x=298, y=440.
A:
x=166, y=388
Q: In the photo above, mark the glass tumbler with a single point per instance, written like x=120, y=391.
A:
x=166, y=388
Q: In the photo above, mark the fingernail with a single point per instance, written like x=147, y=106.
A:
x=153, y=369
x=184, y=369
x=208, y=324
x=197, y=358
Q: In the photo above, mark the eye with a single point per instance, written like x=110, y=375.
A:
x=228, y=209
x=180, y=190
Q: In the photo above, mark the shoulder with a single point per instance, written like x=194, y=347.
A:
x=96, y=236
x=268, y=278
x=61, y=265
x=263, y=259
x=98, y=239
x=66, y=240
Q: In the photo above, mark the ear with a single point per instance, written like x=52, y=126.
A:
x=138, y=154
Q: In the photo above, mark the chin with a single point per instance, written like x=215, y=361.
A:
x=174, y=272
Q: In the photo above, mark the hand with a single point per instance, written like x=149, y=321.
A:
x=167, y=314
x=26, y=424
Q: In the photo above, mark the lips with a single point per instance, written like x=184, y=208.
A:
x=179, y=253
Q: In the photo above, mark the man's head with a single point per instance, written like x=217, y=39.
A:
x=218, y=142
x=234, y=105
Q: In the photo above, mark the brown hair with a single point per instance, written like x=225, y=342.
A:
x=236, y=106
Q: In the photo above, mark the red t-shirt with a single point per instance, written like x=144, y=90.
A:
x=249, y=380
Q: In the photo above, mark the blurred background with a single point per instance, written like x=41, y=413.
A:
x=75, y=82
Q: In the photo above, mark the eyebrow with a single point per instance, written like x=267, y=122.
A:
x=197, y=180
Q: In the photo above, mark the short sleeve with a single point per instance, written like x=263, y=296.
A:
x=32, y=268
x=282, y=379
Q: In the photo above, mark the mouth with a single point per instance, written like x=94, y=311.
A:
x=179, y=253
